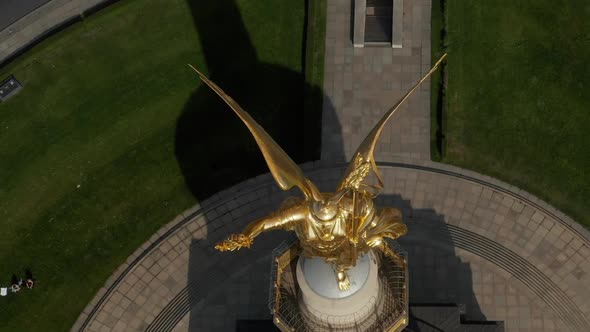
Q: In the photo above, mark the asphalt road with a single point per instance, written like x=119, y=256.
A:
x=12, y=10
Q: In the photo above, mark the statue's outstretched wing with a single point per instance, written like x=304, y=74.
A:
x=283, y=169
x=363, y=158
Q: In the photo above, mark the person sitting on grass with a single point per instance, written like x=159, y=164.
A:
x=30, y=283
x=15, y=283
x=15, y=288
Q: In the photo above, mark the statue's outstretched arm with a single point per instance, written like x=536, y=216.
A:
x=282, y=219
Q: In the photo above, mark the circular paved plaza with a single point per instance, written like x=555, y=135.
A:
x=496, y=251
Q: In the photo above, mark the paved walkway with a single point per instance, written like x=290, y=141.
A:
x=362, y=83
x=28, y=28
x=13, y=10
x=496, y=250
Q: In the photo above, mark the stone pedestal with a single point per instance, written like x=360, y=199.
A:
x=323, y=300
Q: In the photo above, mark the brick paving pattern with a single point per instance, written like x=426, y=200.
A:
x=361, y=84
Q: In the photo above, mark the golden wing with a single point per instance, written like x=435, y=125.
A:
x=285, y=172
x=363, y=157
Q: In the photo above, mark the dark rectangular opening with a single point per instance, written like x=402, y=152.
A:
x=378, y=21
x=256, y=325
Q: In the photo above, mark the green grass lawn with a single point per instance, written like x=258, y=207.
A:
x=113, y=135
x=436, y=80
x=518, y=101
x=314, y=73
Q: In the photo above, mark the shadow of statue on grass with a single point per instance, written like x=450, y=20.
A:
x=212, y=146
x=280, y=100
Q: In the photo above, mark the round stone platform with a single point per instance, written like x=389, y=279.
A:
x=498, y=252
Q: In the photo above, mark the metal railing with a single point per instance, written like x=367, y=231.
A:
x=385, y=313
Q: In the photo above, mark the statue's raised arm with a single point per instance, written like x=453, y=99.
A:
x=285, y=218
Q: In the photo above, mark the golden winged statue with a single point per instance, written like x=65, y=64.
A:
x=338, y=226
